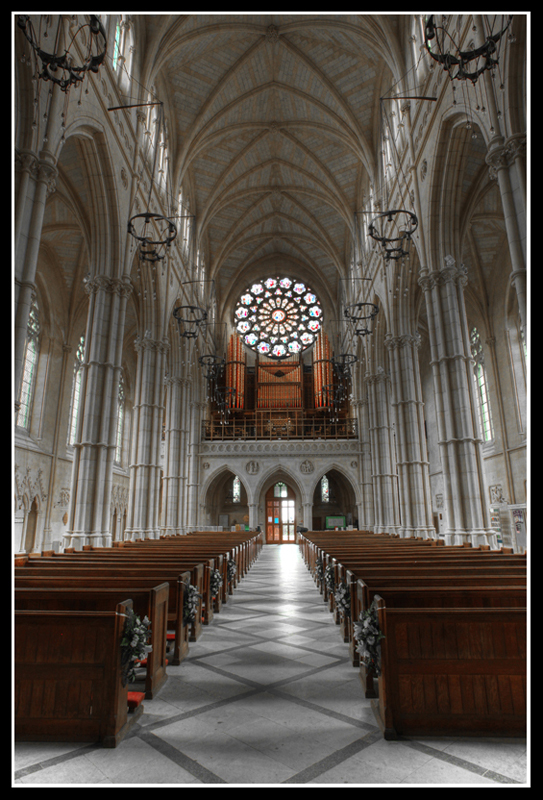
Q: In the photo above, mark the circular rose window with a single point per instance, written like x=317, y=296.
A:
x=278, y=317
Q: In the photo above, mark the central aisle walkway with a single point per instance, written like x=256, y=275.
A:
x=268, y=696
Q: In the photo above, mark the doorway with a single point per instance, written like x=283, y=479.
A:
x=280, y=514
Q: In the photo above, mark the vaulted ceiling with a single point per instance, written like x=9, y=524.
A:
x=273, y=122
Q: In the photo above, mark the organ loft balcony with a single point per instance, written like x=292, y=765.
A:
x=284, y=424
x=272, y=401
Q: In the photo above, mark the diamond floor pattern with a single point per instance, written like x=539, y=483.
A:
x=267, y=696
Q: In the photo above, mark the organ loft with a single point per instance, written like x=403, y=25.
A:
x=270, y=279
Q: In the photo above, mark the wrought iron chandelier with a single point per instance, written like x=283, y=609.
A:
x=363, y=316
x=213, y=366
x=153, y=232
x=189, y=320
x=60, y=68
x=395, y=242
x=462, y=65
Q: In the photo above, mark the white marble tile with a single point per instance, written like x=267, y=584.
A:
x=267, y=692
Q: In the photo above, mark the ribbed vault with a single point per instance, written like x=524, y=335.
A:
x=275, y=122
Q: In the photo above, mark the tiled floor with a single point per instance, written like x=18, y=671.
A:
x=267, y=696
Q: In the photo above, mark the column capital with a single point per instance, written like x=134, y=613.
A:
x=403, y=340
x=145, y=342
x=121, y=286
x=450, y=272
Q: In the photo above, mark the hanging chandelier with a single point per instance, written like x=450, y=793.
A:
x=60, y=68
x=462, y=65
x=189, y=320
x=213, y=366
x=397, y=241
x=363, y=316
x=224, y=399
x=154, y=233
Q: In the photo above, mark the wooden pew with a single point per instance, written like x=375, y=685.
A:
x=68, y=683
x=454, y=671
x=418, y=579
x=152, y=603
x=30, y=577
x=201, y=567
x=212, y=557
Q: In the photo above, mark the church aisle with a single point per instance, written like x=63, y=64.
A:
x=268, y=696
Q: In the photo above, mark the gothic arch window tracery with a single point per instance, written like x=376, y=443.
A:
x=119, y=433
x=30, y=366
x=278, y=317
x=481, y=386
x=76, y=390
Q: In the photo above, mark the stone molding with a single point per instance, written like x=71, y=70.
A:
x=450, y=273
x=120, y=286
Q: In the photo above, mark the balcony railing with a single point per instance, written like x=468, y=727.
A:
x=286, y=426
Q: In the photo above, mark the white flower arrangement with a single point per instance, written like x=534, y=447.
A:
x=232, y=569
x=134, y=645
x=215, y=582
x=368, y=635
x=190, y=604
x=329, y=578
x=319, y=570
x=342, y=596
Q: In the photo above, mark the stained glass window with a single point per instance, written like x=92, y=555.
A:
x=278, y=317
x=479, y=374
x=116, y=45
x=76, y=390
x=280, y=490
x=236, y=490
x=30, y=365
x=120, y=423
x=325, y=490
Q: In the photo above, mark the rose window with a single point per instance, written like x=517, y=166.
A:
x=278, y=317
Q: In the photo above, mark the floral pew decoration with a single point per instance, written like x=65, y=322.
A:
x=368, y=636
x=190, y=605
x=134, y=645
x=342, y=597
x=216, y=582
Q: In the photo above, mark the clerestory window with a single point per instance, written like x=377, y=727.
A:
x=30, y=366
x=481, y=386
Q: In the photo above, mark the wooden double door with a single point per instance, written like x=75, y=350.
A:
x=280, y=515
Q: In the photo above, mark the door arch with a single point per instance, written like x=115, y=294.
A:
x=280, y=514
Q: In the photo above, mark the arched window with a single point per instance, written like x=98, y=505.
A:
x=122, y=50
x=30, y=366
x=325, y=490
x=280, y=490
x=481, y=389
x=117, y=44
x=120, y=423
x=236, y=490
x=76, y=390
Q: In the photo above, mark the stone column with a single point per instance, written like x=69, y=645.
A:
x=459, y=442
x=411, y=453
x=143, y=510
x=384, y=477
x=172, y=482
x=253, y=516
x=366, y=515
x=94, y=448
x=308, y=516
x=37, y=182
x=196, y=409
x=500, y=159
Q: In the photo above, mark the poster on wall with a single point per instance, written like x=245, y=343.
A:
x=335, y=522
